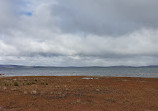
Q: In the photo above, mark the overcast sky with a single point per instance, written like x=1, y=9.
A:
x=79, y=32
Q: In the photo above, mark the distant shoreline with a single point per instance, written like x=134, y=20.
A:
x=23, y=66
x=2, y=74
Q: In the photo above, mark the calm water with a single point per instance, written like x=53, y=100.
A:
x=111, y=71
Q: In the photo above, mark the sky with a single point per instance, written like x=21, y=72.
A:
x=79, y=32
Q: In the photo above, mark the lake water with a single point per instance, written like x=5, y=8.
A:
x=86, y=71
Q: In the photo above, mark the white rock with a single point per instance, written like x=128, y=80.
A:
x=25, y=92
x=34, y=92
x=4, y=88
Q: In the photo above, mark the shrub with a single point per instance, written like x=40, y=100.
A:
x=44, y=83
x=16, y=84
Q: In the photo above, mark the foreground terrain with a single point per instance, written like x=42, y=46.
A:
x=78, y=93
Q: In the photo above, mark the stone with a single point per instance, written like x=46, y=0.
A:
x=1, y=109
x=13, y=89
x=25, y=92
x=14, y=79
x=98, y=90
x=4, y=87
x=1, y=74
x=67, y=89
x=57, y=86
x=34, y=92
x=78, y=100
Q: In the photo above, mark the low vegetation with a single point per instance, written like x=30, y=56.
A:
x=16, y=83
x=71, y=93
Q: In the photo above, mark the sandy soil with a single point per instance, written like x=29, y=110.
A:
x=78, y=94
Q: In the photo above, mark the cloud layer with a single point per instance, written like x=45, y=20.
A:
x=79, y=33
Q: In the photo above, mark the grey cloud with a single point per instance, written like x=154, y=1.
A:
x=142, y=43
x=8, y=15
x=79, y=61
x=79, y=33
x=106, y=17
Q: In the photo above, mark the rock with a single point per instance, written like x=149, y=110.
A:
x=14, y=79
x=1, y=109
x=1, y=74
x=25, y=80
x=4, y=87
x=98, y=90
x=13, y=89
x=34, y=92
x=89, y=78
x=57, y=86
x=125, y=80
x=67, y=89
x=59, y=93
x=62, y=95
x=78, y=101
x=25, y=92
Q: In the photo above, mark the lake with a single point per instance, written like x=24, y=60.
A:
x=82, y=71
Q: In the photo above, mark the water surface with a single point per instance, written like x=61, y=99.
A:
x=82, y=71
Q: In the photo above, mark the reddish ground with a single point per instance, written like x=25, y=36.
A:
x=78, y=94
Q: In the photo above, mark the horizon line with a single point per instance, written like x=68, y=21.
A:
x=15, y=65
